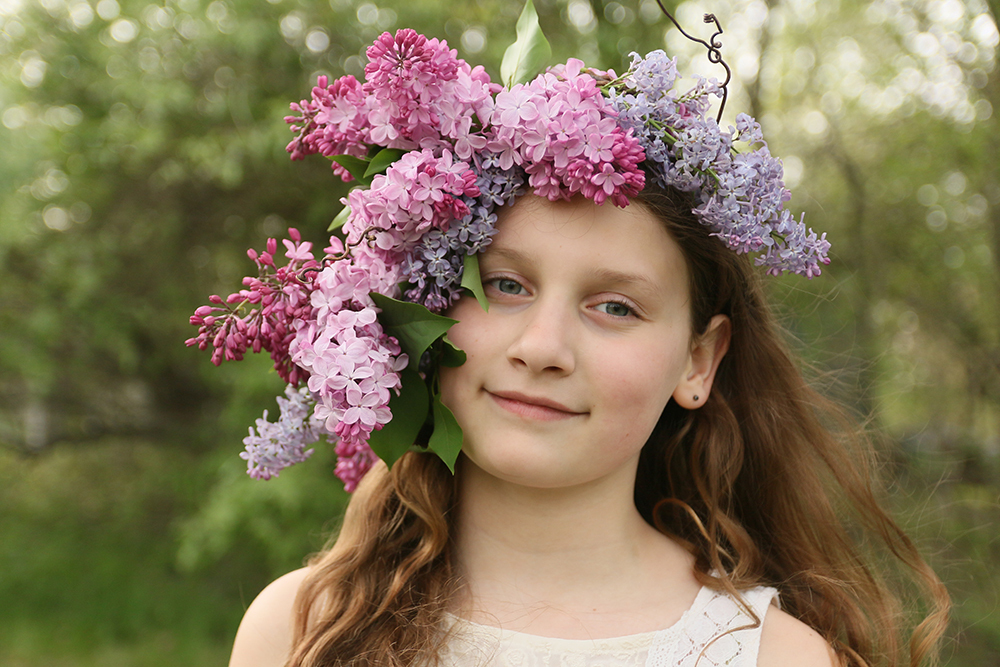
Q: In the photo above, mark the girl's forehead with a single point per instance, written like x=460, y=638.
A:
x=622, y=245
x=603, y=228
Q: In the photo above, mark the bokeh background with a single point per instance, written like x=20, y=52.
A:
x=142, y=152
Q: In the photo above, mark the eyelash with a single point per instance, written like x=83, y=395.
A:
x=494, y=282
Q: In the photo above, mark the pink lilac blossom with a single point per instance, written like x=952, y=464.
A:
x=276, y=445
x=560, y=129
x=418, y=193
x=352, y=364
x=417, y=95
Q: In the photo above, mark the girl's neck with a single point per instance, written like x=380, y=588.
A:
x=566, y=562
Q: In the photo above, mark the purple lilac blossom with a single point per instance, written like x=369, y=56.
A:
x=741, y=194
x=433, y=267
x=277, y=445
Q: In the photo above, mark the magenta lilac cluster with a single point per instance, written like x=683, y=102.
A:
x=263, y=315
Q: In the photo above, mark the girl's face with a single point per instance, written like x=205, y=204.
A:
x=586, y=338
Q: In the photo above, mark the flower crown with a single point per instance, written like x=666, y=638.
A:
x=436, y=147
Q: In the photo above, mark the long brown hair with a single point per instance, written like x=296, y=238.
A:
x=767, y=483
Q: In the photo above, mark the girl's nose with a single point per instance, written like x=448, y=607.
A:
x=544, y=344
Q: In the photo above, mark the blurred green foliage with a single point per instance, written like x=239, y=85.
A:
x=142, y=153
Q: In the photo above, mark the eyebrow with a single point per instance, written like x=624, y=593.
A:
x=604, y=274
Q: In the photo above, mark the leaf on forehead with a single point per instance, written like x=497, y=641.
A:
x=409, y=412
x=525, y=57
x=412, y=324
x=473, y=281
x=446, y=440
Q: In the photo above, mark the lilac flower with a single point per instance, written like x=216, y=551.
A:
x=277, y=445
x=741, y=194
x=561, y=129
x=433, y=267
x=274, y=299
x=352, y=364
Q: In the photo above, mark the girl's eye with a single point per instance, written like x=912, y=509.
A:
x=616, y=309
x=506, y=285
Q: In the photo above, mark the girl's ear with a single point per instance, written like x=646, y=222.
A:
x=703, y=361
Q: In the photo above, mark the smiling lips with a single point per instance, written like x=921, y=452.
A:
x=532, y=407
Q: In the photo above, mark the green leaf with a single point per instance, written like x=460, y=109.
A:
x=451, y=355
x=524, y=58
x=355, y=166
x=409, y=412
x=341, y=218
x=382, y=160
x=472, y=281
x=446, y=440
x=412, y=324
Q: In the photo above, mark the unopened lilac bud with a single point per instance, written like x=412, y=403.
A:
x=252, y=254
x=215, y=298
x=294, y=234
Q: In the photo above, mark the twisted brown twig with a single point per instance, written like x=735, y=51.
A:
x=714, y=47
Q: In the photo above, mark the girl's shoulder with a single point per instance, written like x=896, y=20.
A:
x=264, y=638
x=785, y=641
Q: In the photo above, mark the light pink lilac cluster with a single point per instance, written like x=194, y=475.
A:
x=420, y=192
x=561, y=130
x=352, y=364
x=317, y=320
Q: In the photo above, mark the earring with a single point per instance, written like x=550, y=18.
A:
x=695, y=398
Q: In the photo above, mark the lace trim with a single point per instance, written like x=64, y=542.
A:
x=476, y=645
x=724, y=634
x=710, y=627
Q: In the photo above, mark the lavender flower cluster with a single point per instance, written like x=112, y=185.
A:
x=433, y=267
x=277, y=445
x=741, y=194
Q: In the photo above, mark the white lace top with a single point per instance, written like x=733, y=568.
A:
x=714, y=629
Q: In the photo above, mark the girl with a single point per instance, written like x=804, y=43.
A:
x=645, y=478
